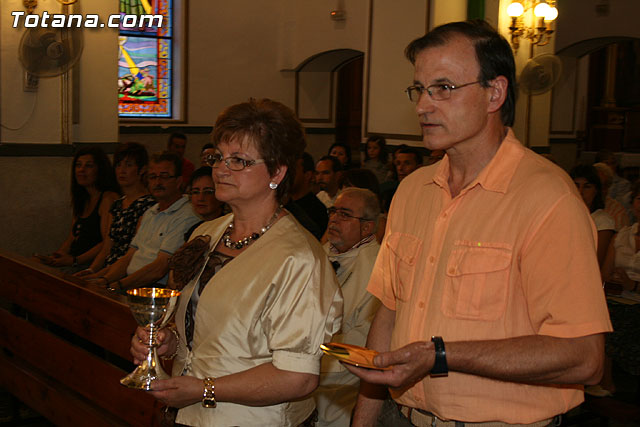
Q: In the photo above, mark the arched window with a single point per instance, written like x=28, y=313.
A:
x=148, y=65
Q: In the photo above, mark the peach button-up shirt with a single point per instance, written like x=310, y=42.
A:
x=512, y=255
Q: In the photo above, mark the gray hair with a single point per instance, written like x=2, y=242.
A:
x=606, y=170
x=371, y=210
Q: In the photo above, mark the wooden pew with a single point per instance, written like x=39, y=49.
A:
x=59, y=340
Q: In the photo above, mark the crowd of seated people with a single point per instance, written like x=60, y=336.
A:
x=114, y=238
x=131, y=161
x=161, y=232
x=127, y=241
x=613, y=202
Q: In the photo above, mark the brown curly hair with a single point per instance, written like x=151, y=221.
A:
x=273, y=127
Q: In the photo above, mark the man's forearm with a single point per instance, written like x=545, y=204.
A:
x=528, y=359
x=148, y=274
x=534, y=358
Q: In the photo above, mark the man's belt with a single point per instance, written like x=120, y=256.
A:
x=422, y=418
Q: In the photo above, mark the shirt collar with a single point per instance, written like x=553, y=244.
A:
x=174, y=207
x=334, y=251
x=496, y=176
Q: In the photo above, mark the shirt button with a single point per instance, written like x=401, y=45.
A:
x=421, y=304
x=444, y=215
x=452, y=271
x=432, y=259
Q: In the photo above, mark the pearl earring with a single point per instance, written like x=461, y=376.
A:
x=273, y=185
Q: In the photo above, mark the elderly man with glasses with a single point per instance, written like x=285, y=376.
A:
x=161, y=232
x=352, y=249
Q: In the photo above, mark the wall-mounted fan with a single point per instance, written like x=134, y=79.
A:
x=540, y=74
x=49, y=52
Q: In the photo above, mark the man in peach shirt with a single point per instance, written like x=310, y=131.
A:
x=492, y=307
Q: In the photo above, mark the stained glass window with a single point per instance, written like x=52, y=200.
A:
x=145, y=59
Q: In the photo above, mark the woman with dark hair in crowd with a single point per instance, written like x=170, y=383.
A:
x=202, y=195
x=376, y=158
x=131, y=160
x=93, y=190
x=258, y=294
x=587, y=180
x=342, y=152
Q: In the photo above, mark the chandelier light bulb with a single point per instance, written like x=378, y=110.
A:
x=552, y=14
x=515, y=9
x=541, y=10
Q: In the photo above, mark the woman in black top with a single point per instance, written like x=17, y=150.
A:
x=131, y=160
x=93, y=190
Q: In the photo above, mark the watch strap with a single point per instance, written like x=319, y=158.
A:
x=440, y=368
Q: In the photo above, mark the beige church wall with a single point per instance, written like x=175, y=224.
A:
x=253, y=47
x=579, y=20
x=38, y=114
x=306, y=29
x=318, y=144
x=388, y=111
x=98, y=102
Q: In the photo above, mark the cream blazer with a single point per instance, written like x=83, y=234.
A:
x=276, y=303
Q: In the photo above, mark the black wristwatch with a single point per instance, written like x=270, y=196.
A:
x=440, y=368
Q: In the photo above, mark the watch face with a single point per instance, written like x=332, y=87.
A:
x=208, y=403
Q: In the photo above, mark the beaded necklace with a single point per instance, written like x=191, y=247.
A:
x=246, y=241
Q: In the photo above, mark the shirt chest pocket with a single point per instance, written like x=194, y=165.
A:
x=404, y=250
x=476, y=282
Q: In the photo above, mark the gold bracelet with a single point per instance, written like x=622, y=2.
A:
x=175, y=353
x=209, y=394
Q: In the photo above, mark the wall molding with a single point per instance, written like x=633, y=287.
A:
x=51, y=150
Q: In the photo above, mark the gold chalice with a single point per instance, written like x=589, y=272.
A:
x=152, y=308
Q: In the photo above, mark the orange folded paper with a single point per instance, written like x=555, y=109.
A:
x=352, y=354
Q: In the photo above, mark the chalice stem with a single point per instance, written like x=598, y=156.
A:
x=152, y=307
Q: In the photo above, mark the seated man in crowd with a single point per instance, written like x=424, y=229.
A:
x=611, y=206
x=407, y=159
x=207, y=150
x=619, y=187
x=303, y=196
x=177, y=145
x=161, y=231
x=328, y=178
x=352, y=249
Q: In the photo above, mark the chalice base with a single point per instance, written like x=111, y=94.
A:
x=145, y=373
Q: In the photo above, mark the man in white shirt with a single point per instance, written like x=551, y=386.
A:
x=328, y=178
x=352, y=249
x=161, y=231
